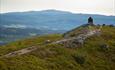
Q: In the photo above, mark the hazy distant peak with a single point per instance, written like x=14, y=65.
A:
x=52, y=11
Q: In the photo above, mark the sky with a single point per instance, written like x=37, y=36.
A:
x=105, y=7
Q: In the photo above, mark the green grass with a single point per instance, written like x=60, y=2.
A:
x=57, y=57
x=35, y=41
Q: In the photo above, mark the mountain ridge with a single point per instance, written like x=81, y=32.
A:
x=53, y=10
x=52, y=17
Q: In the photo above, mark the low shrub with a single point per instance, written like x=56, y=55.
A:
x=79, y=59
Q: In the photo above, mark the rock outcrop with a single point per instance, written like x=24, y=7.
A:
x=79, y=39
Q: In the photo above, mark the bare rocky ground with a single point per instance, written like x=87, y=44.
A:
x=73, y=40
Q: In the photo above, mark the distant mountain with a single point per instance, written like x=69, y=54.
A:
x=18, y=25
x=51, y=19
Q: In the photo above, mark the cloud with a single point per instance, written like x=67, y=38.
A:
x=14, y=26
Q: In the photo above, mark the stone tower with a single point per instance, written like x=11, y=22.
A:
x=90, y=21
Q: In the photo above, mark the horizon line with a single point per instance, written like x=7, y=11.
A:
x=55, y=10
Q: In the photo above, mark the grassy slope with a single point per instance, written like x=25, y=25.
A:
x=80, y=30
x=35, y=41
x=57, y=57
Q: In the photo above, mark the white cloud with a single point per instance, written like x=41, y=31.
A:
x=15, y=26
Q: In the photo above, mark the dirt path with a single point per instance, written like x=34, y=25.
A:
x=20, y=52
x=79, y=38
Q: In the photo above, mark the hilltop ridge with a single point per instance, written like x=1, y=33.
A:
x=69, y=40
x=57, y=52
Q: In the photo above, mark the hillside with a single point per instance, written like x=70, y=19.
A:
x=52, y=52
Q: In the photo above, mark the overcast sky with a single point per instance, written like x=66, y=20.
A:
x=106, y=7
